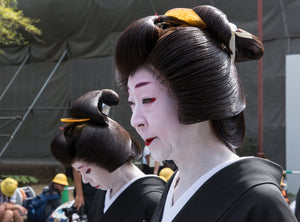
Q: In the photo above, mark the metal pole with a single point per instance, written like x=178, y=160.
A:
x=260, y=152
x=33, y=103
x=11, y=119
x=292, y=171
x=15, y=76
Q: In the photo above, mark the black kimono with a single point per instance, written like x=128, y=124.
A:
x=247, y=190
x=136, y=203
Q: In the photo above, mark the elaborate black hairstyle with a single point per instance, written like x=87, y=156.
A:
x=195, y=63
x=93, y=137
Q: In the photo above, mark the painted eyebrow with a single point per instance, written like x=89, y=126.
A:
x=141, y=84
x=80, y=167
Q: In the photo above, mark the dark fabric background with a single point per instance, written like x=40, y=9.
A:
x=90, y=30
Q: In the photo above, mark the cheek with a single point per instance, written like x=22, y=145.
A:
x=98, y=176
x=171, y=118
x=168, y=129
x=104, y=178
x=162, y=121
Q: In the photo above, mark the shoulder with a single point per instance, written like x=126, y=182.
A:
x=147, y=196
x=148, y=189
x=149, y=183
x=263, y=194
x=262, y=202
x=51, y=197
x=258, y=197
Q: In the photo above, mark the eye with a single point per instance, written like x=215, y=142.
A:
x=148, y=100
x=88, y=171
x=130, y=103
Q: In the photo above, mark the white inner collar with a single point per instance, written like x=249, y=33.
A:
x=170, y=210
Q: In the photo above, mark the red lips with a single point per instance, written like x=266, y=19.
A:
x=149, y=141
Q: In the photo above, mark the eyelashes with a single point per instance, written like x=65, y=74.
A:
x=144, y=101
x=149, y=100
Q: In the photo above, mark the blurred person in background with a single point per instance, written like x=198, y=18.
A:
x=149, y=165
x=9, y=211
x=165, y=174
x=56, y=187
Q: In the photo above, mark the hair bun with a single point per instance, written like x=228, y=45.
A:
x=247, y=48
x=109, y=97
x=89, y=105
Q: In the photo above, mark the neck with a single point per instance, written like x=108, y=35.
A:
x=199, y=152
x=192, y=167
x=123, y=175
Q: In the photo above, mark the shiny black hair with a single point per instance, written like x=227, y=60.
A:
x=194, y=64
x=100, y=140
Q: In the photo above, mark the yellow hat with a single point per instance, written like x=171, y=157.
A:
x=9, y=186
x=61, y=179
x=166, y=173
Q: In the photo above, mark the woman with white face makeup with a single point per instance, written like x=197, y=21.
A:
x=187, y=104
x=102, y=151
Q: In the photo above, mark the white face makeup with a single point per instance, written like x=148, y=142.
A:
x=154, y=114
x=96, y=176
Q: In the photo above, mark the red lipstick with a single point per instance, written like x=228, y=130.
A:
x=149, y=141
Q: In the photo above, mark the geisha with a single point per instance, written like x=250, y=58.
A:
x=188, y=105
x=102, y=151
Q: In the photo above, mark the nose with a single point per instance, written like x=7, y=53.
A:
x=137, y=118
x=85, y=179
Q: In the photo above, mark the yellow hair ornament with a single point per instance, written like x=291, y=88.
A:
x=72, y=120
x=187, y=15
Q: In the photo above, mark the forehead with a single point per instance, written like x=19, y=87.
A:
x=79, y=164
x=140, y=78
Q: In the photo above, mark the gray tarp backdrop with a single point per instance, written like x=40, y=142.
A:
x=90, y=29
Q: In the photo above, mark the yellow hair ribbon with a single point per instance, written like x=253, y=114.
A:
x=72, y=120
x=187, y=15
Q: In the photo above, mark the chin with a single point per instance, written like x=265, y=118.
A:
x=159, y=156
x=158, y=153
